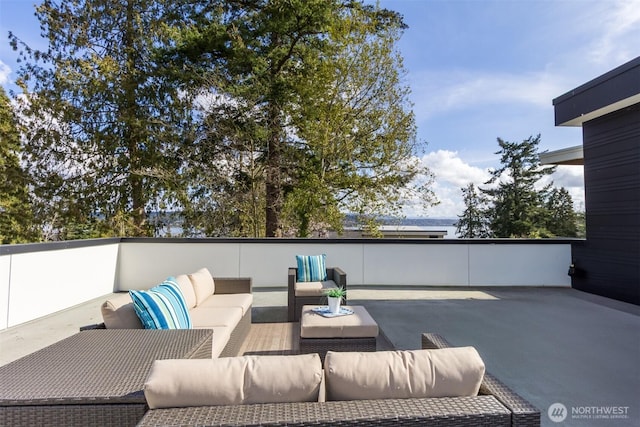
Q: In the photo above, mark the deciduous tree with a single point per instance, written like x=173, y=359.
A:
x=356, y=128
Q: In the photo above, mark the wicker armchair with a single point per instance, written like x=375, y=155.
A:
x=335, y=278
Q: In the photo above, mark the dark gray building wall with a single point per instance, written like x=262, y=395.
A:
x=608, y=109
x=610, y=257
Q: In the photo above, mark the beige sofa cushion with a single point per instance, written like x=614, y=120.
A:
x=244, y=301
x=209, y=317
x=187, y=290
x=203, y=284
x=313, y=289
x=118, y=313
x=450, y=372
x=233, y=381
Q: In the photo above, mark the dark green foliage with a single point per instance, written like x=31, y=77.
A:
x=246, y=117
x=519, y=207
x=474, y=222
x=307, y=117
x=102, y=126
x=16, y=218
x=562, y=220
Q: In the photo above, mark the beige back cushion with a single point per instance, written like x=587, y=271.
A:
x=449, y=372
x=203, y=285
x=233, y=381
x=118, y=313
x=186, y=288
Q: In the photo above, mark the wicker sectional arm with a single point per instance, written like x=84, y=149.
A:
x=338, y=276
x=233, y=285
x=523, y=414
x=459, y=412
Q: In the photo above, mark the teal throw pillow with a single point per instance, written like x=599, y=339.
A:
x=311, y=268
x=162, y=307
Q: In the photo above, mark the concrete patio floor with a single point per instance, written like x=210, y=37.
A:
x=550, y=345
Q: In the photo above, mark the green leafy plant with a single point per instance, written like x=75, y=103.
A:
x=337, y=292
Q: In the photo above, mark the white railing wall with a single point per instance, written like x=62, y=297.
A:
x=367, y=263
x=35, y=284
x=40, y=282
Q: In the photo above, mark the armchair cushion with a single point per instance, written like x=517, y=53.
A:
x=313, y=289
x=311, y=268
x=162, y=307
x=451, y=372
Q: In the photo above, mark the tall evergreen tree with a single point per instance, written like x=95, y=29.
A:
x=562, y=218
x=473, y=223
x=103, y=125
x=16, y=216
x=516, y=203
x=309, y=113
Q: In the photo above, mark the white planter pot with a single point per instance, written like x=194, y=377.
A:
x=334, y=304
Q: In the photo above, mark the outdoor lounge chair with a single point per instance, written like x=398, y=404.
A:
x=311, y=293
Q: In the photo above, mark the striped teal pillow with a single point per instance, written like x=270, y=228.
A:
x=311, y=268
x=162, y=307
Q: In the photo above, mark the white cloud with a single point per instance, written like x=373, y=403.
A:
x=449, y=167
x=452, y=173
x=443, y=92
x=4, y=73
x=616, y=41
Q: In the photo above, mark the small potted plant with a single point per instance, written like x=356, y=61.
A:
x=335, y=296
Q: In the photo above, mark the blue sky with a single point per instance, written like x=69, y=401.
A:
x=478, y=70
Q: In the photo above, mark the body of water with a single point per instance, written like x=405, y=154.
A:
x=436, y=224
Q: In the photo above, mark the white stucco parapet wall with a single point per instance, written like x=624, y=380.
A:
x=366, y=262
x=40, y=279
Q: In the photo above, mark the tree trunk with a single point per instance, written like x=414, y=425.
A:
x=133, y=131
x=273, y=182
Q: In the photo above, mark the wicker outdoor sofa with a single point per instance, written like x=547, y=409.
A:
x=220, y=304
x=495, y=405
x=96, y=378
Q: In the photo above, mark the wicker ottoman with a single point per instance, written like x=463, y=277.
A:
x=319, y=334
